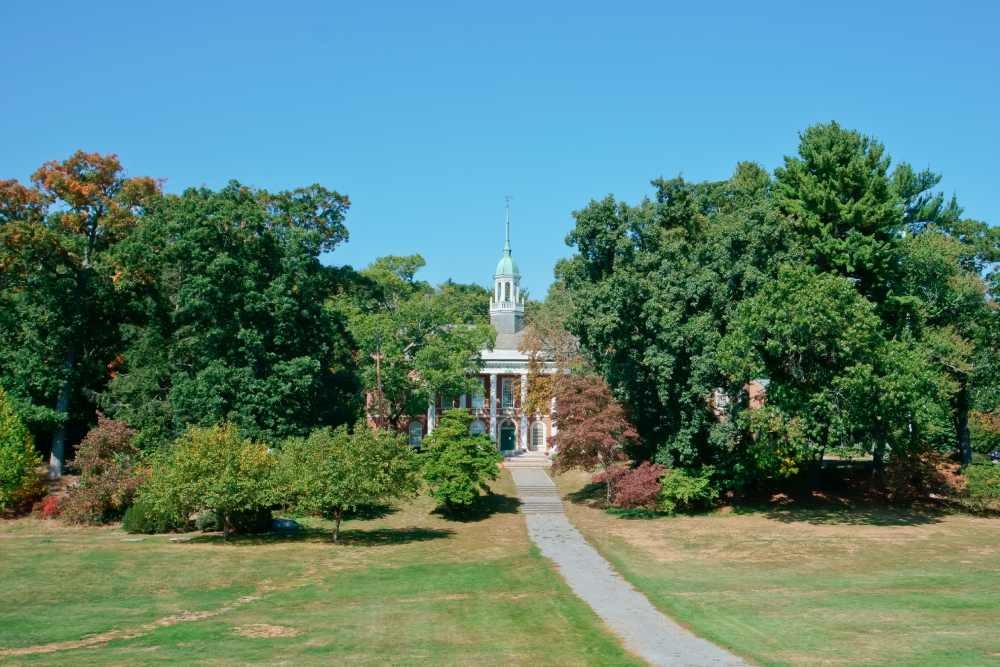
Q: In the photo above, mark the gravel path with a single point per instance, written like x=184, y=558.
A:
x=645, y=631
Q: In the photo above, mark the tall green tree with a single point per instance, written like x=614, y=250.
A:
x=653, y=287
x=65, y=226
x=237, y=323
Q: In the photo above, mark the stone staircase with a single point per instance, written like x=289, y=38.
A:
x=540, y=499
x=527, y=460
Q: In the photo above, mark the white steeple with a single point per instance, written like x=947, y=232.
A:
x=506, y=304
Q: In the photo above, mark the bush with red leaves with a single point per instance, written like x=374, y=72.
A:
x=49, y=508
x=633, y=488
x=110, y=474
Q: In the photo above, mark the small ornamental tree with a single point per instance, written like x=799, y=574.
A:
x=18, y=459
x=457, y=464
x=216, y=469
x=638, y=488
x=109, y=473
x=593, y=430
x=332, y=471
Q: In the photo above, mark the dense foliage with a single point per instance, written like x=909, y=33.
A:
x=457, y=465
x=59, y=313
x=332, y=472
x=858, y=295
x=235, y=320
x=110, y=474
x=18, y=460
x=212, y=468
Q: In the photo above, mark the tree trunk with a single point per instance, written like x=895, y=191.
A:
x=225, y=526
x=58, y=455
x=878, y=461
x=962, y=423
x=337, y=516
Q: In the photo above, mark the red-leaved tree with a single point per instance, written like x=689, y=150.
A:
x=593, y=429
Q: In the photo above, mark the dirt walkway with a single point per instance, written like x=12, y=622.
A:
x=645, y=631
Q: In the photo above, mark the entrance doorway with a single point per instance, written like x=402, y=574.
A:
x=508, y=438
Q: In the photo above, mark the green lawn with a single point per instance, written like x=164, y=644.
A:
x=816, y=587
x=408, y=588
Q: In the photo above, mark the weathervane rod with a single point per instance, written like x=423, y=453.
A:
x=506, y=245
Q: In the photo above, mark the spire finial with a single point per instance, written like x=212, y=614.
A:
x=506, y=243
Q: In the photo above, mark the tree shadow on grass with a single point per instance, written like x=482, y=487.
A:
x=835, y=513
x=369, y=512
x=353, y=536
x=383, y=536
x=592, y=494
x=484, y=507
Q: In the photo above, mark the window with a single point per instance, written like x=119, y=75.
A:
x=477, y=427
x=478, y=397
x=506, y=291
x=416, y=434
x=538, y=437
x=507, y=395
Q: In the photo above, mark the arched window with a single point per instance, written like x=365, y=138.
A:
x=477, y=427
x=506, y=291
x=538, y=437
x=416, y=434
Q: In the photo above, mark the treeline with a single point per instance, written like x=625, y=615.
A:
x=210, y=307
x=861, y=297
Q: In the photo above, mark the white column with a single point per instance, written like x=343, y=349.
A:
x=553, y=429
x=493, y=406
x=430, y=416
x=524, y=412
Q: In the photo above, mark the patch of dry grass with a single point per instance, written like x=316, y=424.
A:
x=817, y=586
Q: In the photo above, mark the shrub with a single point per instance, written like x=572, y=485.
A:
x=110, y=473
x=206, y=521
x=610, y=477
x=20, y=481
x=214, y=469
x=49, y=508
x=639, y=488
x=984, y=430
x=681, y=490
x=458, y=465
x=983, y=485
x=144, y=516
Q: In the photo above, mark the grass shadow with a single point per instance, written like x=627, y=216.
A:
x=844, y=513
x=484, y=507
x=383, y=536
x=590, y=494
x=303, y=534
x=369, y=512
x=352, y=536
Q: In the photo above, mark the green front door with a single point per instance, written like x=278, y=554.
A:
x=507, y=438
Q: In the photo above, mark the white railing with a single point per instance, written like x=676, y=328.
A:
x=506, y=305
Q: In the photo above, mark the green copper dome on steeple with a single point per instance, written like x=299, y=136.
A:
x=506, y=265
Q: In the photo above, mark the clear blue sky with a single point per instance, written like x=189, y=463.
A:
x=428, y=115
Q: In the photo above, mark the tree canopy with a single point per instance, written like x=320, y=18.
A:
x=858, y=294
